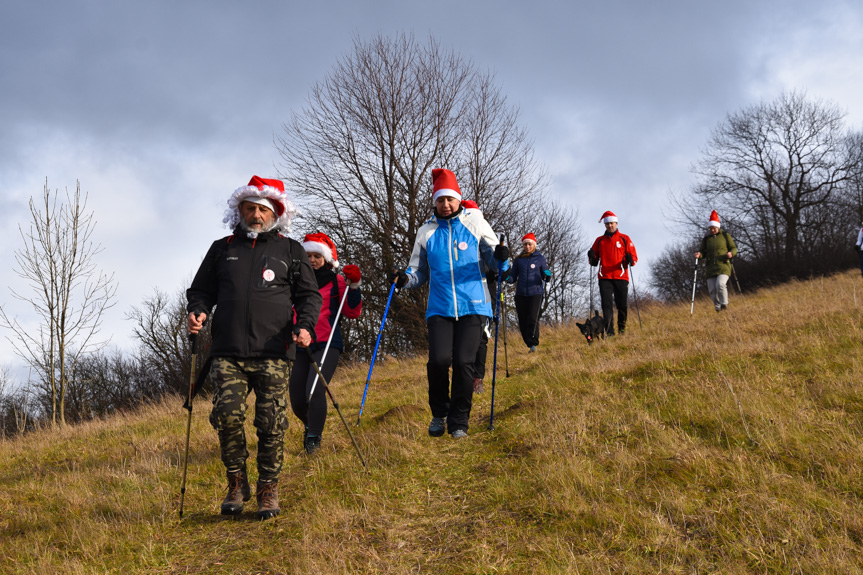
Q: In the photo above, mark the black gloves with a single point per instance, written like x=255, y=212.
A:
x=591, y=258
x=628, y=259
x=398, y=277
x=857, y=247
x=501, y=253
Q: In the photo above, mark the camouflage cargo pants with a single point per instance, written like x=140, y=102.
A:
x=233, y=378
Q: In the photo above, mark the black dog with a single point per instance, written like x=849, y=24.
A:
x=594, y=327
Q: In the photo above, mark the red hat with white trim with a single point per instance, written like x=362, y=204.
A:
x=321, y=244
x=714, y=220
x=607, y=218
x=528, y=238
x=469, y=205
x=266, y=192
x=444, y=184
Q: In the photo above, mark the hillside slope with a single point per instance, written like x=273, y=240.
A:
x=721, y=443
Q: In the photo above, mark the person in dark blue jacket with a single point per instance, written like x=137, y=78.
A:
x=452, y=252
x=529, y=274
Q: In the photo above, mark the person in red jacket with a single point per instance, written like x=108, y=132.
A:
x=333, y=287
x=614, y=252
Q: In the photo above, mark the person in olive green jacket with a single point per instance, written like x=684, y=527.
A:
x=717, y=249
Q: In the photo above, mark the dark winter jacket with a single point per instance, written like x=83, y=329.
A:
x=256, y=284
x=714, y=250
x=526, y=274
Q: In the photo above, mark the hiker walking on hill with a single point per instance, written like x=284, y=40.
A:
x=257, y=279
x=323, y=257
x=717, y=248
x=859, y=247
x=529, y=273
x=447, y=254
x=615, y=253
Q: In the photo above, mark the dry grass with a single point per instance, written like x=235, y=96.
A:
x=724, y=443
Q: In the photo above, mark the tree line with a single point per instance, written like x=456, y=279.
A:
x=786, y=177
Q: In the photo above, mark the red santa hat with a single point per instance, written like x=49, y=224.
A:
x=444, y=184
x=714, y=220
x=266, y=192
x=321, y=244
x=528, y=238
x=608, y=217
x=469, y=205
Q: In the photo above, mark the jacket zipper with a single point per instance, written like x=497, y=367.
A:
x=252, y=281
x=452, y=271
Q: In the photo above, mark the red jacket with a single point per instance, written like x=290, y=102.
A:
x=610, y=251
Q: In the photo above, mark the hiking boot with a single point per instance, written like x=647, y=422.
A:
x=532, y=349
x=723, y=307
x=312, y=443
x=437, y=427
x=621, y=331
x=477, y=385
x=238, y=492
x=267, y=493
x=459, y=434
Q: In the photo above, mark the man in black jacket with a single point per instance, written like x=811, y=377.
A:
x=257, y=279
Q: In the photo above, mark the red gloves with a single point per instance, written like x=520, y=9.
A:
x=352, y=273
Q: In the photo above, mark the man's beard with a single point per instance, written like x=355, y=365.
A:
x=253, y=233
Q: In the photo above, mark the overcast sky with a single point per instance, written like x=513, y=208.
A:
x=162, y=108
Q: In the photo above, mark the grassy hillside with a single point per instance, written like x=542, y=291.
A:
x=721, y=443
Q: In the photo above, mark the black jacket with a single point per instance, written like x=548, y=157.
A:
x=255, y=284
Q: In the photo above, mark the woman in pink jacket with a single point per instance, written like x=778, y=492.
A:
x=322, y=255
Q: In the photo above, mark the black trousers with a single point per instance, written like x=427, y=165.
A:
x=481, y=355
x=313, y=414
x=527, y=309
x=452, y=343
x=613, y=293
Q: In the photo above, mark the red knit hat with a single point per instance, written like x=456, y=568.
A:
x=608, y=217
x=321, y=244
x=714, y=220
x=528, y=238
x=444, y=184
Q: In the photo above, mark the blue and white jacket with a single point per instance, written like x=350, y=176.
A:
x=452, y=254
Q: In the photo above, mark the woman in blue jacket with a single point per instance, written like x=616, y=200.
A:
x=529, y=273
x=452, y=251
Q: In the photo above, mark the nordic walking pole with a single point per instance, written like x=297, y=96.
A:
x=736, y=281
x=193, y=339
x=539, y=312
x=496, y=326
x=375, y=354
x=694, y=278
x=335, y=403
x=635, y=293
x=330, y=340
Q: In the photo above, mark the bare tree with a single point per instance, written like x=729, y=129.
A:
x=361, y=152
x=160, y=327
x=67, y=292
x=780, y=174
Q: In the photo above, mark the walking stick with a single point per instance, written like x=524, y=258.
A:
x=539, y=313
x=193, y=339
x=694, y=278
x=736, y=281
x=375, y=354
x=330, y=340
x=635, y=293
x=335, y=404
x=496, y=327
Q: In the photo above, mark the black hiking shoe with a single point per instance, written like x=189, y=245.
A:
x=312, y=443
x=267, y=493
x=437, y=427
x=239, y=492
